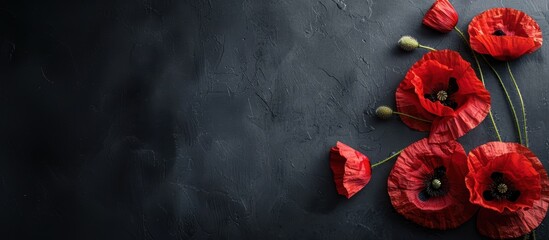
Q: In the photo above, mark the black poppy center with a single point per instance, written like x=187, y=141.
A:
x=499, y=32
x=436, y=184
x=444, y=96
x=500, y=189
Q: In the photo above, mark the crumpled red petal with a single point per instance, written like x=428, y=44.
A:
x=503, y=48
x=522, y=33
x=352, y=170
x=408, y=179
x=441, y=16
x=508, y=223
x=427, y=75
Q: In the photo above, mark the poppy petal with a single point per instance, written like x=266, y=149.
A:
x=503, y=48
x=504, y=33
x=408, y=102
x=412, y=172
x=352, y=170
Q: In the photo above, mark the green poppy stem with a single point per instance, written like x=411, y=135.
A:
x=513, y=111
x=481, y=79
x=387, y=159
x=531, y=235
x=427, y=47
x=525, y=130
x=410, y=116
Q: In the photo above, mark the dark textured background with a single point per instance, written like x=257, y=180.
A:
x=212, y=119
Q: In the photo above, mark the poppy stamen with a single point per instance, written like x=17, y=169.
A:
x=499, y=32
x=502, y=188
x=442, y=95
x=436, y=183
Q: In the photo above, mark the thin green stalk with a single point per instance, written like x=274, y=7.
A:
x=490, y=110
x=462, y=36
x=507, y=96
x=410, y=116
x=532, y=234
x=386, y=159
x=481, y=79
x=521, y=105
x=427, y=47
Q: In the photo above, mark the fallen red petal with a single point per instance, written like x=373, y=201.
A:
x=352, y=170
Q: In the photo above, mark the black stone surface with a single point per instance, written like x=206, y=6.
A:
x=212, y=119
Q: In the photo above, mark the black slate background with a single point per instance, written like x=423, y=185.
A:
x=212, y=119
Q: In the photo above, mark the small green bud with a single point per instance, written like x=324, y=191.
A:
x=408, y=43
x=384, y=112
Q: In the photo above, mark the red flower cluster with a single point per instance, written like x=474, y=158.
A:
x=504, y=33
x=434, y=183
x=443, y=89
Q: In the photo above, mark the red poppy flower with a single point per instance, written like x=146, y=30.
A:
x=351, y=169
x=510, y=184
x=443, y=89
x=427, y=185
x=504, y=33
x=441, y=16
